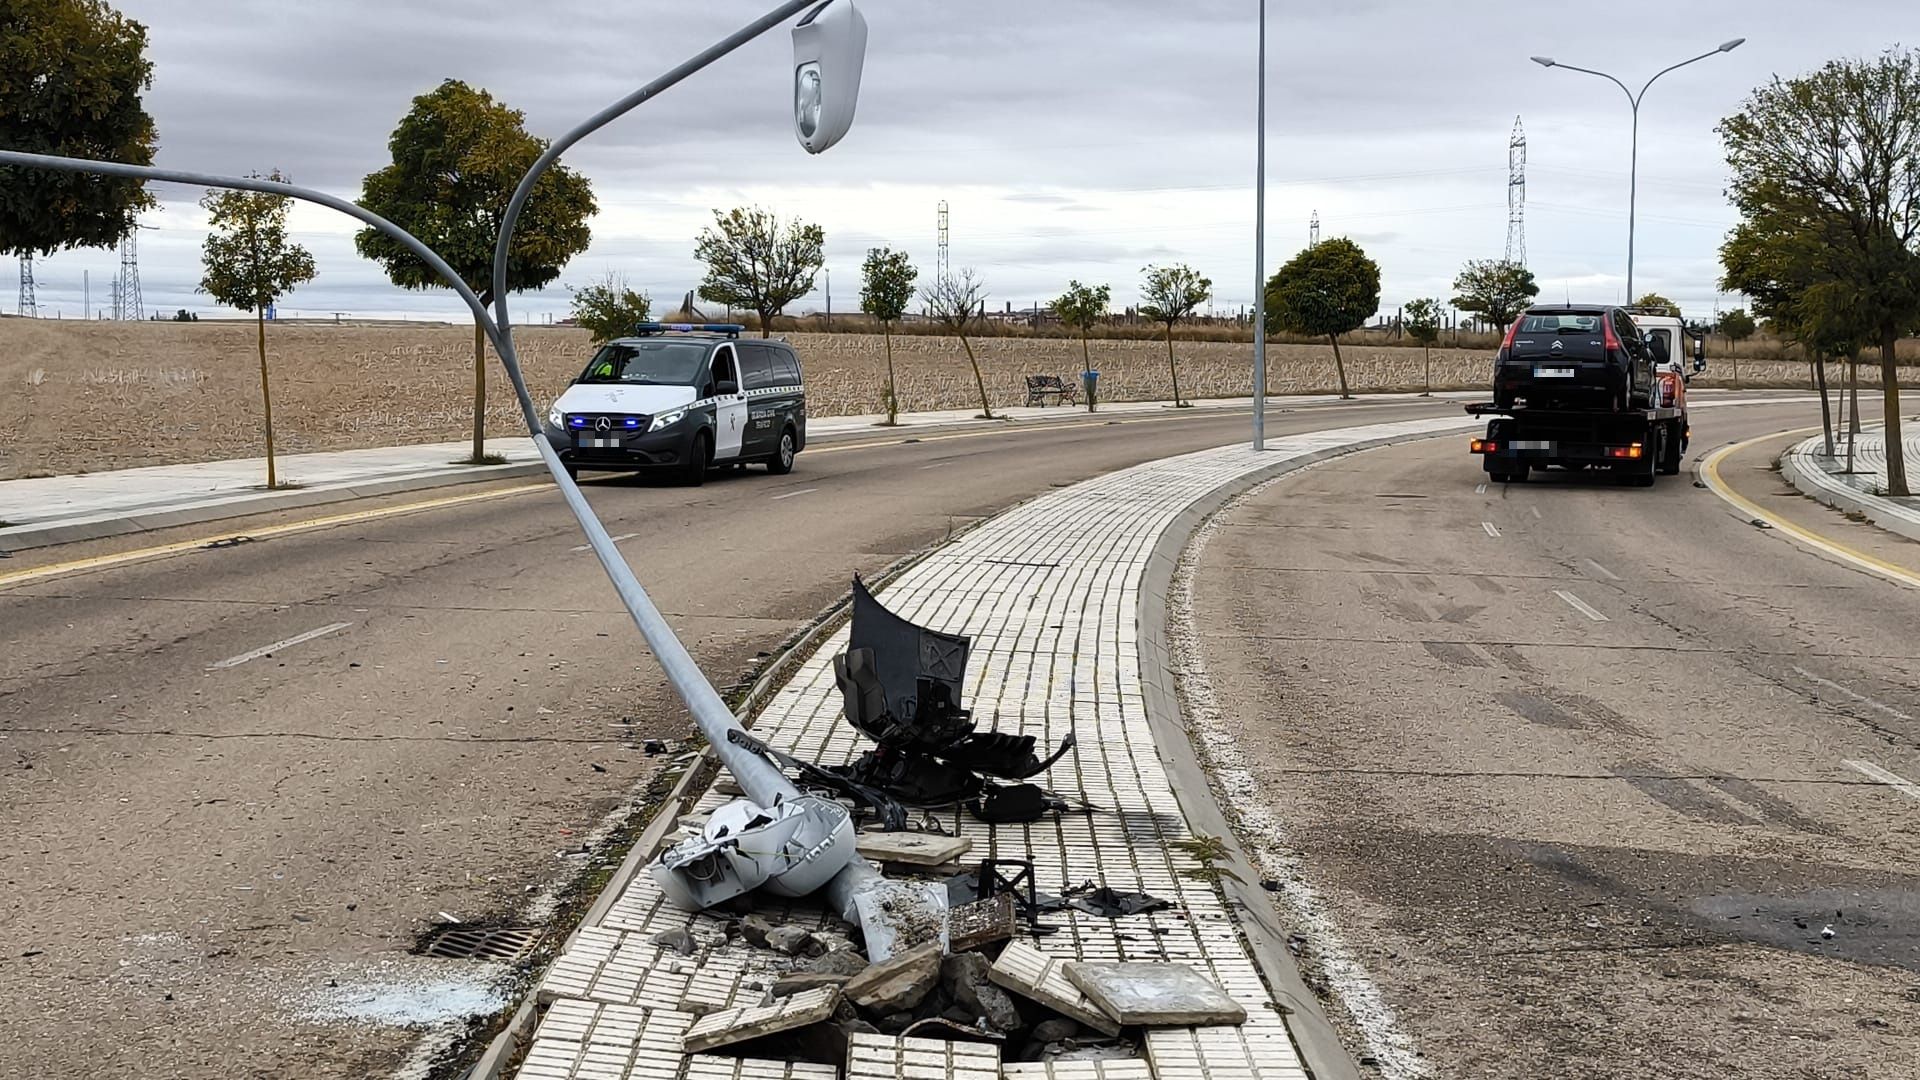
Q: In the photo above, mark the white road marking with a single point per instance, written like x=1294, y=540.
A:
x=1603, y=571
x=615, y=539
x=1580, y=605
x=1893, y=780
x=935, y=465
x=1861, y=698
x=1481, y=490
x=267, y=650
x=795, y=494
x=1536, y=511
x=1491, y=531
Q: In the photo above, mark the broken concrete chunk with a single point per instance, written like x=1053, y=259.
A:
x=788, y=939
x=679, y=939
x=1025, y=970
x=1047, y=1031
x=913, y=848
x=899, y=984
x=1155, y=995
x=966, y=979
x=729, y=1026
x=800, y=981
x=838, y=962
x=992, y=1004
x=755, y=929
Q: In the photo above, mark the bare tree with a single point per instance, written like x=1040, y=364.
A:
x=955, y=302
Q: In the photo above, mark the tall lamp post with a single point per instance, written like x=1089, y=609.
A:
x=1260, y=253
x=1634, y=100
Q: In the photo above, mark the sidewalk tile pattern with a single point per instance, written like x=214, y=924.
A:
x=1049, y=593
x=1868, y=479
x=892, y=1057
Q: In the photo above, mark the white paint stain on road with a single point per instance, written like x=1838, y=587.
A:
x=1480, y=490
x=268, y=650
x=1603, y=571
x=795, y=494
x=615, y=539
x=1891, y=779
x=1580, y=605
x=1491, y=531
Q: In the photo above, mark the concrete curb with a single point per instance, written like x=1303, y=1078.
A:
x=1319, y=1044
x=1799, y=469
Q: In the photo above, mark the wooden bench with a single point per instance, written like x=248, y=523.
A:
x=1041, y=387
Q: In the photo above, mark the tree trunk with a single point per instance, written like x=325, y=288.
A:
x=1890, y=391
x=1340, y=367
x=1428, y=350
x=893, y=396
x=766, y=324
x=266, y=395
x=986, y=410
x=1853, y=395
x=1086, y=363
x=479, y=392
x=1826, y=409
x=1174, y=368
x=1736, y=367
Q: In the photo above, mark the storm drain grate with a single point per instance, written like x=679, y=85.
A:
x=502, y=943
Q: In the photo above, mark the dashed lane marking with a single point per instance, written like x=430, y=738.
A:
x=795, y=494
x=1859, y=697
x=1603, y=571
x=1580, y=605
x=1891, y=779
x=268, y=650
x=1491, y=531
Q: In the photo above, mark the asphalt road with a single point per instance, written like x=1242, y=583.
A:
x=1592, y=781
x=236, y=784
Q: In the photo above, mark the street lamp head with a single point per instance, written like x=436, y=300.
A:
x=829, y=52
x=1734, y=44
x=1543, y=61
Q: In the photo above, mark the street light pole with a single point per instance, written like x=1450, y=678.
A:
x=1260, y=253
x=1633, y=102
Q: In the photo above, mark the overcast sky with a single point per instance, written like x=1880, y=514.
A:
x=1071, y=138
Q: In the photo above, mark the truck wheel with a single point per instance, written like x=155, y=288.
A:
x=693, y=472
x=781, y=463
x=1671, y=446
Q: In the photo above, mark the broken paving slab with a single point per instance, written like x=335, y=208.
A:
x=585, y=1039
x=1132, y=1069
x=913, y=848
x=895, y=1057
x=739, y=1024
x=899, y=984
x=711, y=1067
x=1154, y=995
x=1025, y=970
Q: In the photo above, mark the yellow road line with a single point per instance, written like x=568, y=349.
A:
x=100, y=562
x=1710, y=472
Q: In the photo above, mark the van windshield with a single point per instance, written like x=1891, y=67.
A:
x=651, y=363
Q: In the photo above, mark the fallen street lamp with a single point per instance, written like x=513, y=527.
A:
x=1634, y=100
x=810, y=838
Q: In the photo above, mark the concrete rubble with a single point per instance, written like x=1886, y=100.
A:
x=737, y=1025
x=1157, y=995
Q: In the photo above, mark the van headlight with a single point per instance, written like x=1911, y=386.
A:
x=556, y=417
x=668, y=419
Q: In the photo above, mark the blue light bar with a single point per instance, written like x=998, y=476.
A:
x=729, y=329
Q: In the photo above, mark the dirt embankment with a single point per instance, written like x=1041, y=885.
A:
x=100, y=395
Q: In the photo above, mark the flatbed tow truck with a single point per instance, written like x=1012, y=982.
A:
x=1636, y=444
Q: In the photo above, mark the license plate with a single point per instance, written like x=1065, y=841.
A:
x=1553, y=373
x=1530, y=444
x=600, y=442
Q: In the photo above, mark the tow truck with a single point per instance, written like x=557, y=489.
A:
x=1637, y=444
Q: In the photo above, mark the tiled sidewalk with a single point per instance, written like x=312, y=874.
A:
x=1825, y=479
x=1050, y=593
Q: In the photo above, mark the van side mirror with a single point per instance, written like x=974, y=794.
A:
x=1699, y=364
x=1700, y=351
x=725, y=388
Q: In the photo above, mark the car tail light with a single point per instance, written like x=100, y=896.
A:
x=1630, y=452
x=1611, y=339
x=1485, y=446
x=1507, y=342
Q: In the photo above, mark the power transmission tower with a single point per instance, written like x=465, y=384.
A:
x=28, y=308
x=943, y=270
x=1313, y=230
x=1517, y=195
x=128, y=304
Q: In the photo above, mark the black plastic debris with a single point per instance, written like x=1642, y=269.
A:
x=1111, y=903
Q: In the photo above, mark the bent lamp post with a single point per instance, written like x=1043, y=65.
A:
x=792, y=842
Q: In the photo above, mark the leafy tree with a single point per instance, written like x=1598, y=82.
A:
x=1170, y=294
x=1080, y=308
x=1325, y=291
x=1654, y=303
x=755, y=264
x=955, y=302
x=609, y=309
x=71, y=76
x=1423, y=326
x=250, y=264
x=1495, y=289
x=1736, y=326
x=458, y=154
x=1825, y=171
x=886, y=289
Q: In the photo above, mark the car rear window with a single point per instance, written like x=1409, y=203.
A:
x=1573, y=323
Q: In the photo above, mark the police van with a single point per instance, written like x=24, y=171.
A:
x=682, y=399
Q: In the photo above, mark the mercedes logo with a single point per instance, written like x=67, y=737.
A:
x=603, y=424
